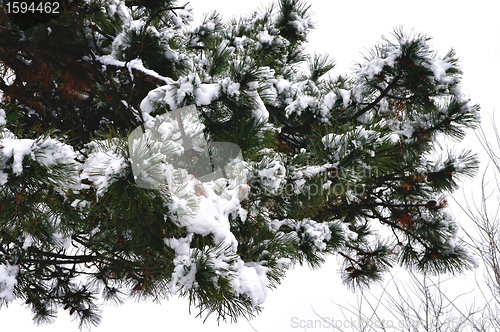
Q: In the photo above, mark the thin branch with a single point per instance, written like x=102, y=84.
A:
x=59, y=261
x=379, y=98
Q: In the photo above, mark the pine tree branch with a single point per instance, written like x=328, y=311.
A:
x=370, y=205
x=151, y=18
x=350, y=259
x=59, y=258
x=49, y=85
x=149, y=78
x=393, y=225
x=395, y=97
x=59, y=261
x=6, y=255
x=382, y=95
x=76, y=257
x=4, y=87
x=285, y=137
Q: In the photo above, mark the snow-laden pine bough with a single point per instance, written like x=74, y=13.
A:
x=106, y=192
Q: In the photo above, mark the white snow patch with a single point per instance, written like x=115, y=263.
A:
x=407, y=130
x=253, y=282
x=282, y=85
x=28, y=241
x=318, y=233
x=273, y=176
x=330, y=99
x=439, y=68
x=54, y=152
x=4, y=177
x=375, y=66
x=206, y=93
x=346, y=96
x=109, y=60
x=331, y=140
x=232, y=89
x=8, y=274
x=3, y=118
x=242, y=213
x=260, y=112
x=264, y=37
x=138, y=65
x=180, y=246
x=102, y=167
x=18, y=149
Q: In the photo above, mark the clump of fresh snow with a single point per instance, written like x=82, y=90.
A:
x=377, y=64
x=180, y=15
x=16, y=149
x=186, y=86
x=118, y=7
x=260, y=111
x=109, y=60
x=316, y=232
x=8, y=274
x=242, y=213
x=180, y=246
x=206, y=93
x=173, y=93
x=184, y=274
x=154, y=96
x=439, y=68
x=103, y=165
x=4, y=177
x=28, y=241
x=300, y=104
x=302, y=25
x=137, y=64
x=283, y=262
x=202, y=208
x=407, y=130
x=46, y=151
x=264, y=37
x=311, y=171
x=283, y=85
x=330, y=99
x=272, y=175
x=232, y=89
x=252, y=282
x=331, y=140
x=346, y=97
x=3, y=118
x=52, y=152
x=348, y=234
x=393, y=137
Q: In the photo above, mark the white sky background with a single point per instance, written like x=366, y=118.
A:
x=345, y=30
